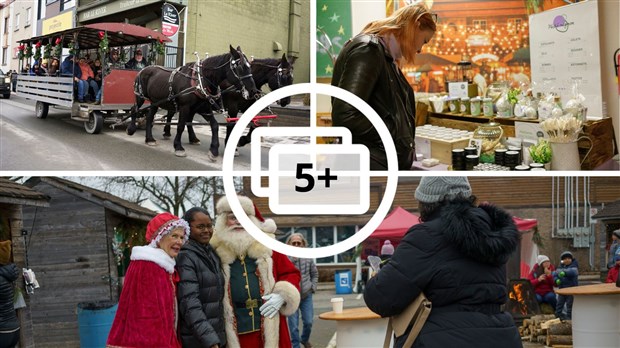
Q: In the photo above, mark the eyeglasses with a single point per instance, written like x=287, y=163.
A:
x=203, y=227
x=296, y=243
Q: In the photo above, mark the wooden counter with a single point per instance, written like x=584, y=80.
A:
x=596, y=315
x=601, y=132
x=594, y=289
x=358, y=327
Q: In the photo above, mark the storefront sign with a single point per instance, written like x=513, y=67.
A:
x=111, y=8
x=169, y=20
x=57, y=23
x=565, y=51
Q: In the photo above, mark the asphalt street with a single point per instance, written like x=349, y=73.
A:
x=58, y=143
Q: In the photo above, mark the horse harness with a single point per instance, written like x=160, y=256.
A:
x=280, y=72
x=198, y=88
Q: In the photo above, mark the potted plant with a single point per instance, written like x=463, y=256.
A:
x=541, y=152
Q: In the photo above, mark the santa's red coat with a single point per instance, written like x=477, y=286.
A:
x=146, y=315
x=285, y=281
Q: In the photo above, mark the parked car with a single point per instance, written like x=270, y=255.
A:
x=5, y=85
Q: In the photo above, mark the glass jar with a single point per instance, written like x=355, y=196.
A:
x=490, y=133
x=465, y=106
x=487, y=107
x=475, y=106
x=455, y=105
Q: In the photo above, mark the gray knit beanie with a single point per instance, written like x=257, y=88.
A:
x=436, y=188
x=617, y=233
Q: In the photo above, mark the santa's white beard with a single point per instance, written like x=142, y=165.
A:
x=238, y=240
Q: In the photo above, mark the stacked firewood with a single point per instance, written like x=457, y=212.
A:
x=548, y=330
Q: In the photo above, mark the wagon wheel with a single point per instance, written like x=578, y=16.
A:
x=41, y=109
x=94, y=123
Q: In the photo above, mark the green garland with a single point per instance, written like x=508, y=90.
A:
x=20, y=52
x=126, y=236
x=104, y=46
x=37, y=52
x=47, y=51
x=28, y=53
x=72, y=49
x=158, y=49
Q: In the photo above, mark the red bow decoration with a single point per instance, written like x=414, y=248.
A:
x=38, y=44
x=58, y=41
x=101, y=34
x=21, y=47
x=161, y=41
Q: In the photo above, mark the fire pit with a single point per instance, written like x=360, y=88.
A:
x=522, y=302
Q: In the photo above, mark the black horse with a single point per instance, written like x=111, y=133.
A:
x=275, y=73
x=187, y=89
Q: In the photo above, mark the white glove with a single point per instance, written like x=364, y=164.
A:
x=273, y=303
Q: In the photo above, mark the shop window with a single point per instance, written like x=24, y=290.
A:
x=344, y=232
x=480, y=24
x=28, y=17
x=283, y=233
x=66, y=4
x=514, y=25
x=307, y=233
x=325, y=236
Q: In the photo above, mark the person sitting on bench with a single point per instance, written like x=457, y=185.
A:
x=69, y=68
x=89, y=77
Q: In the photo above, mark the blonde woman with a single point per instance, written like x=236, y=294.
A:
x=369, y=67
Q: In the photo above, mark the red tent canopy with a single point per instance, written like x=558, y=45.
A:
x=399, y=221
x=395, y=224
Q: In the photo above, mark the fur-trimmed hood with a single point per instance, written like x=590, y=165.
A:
x=486, y=234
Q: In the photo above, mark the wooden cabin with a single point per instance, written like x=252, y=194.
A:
x=13, y=197
x=69, y=247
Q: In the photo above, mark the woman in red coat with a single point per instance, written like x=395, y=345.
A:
x=542, y=281
x=147, y=310
x=612, y=275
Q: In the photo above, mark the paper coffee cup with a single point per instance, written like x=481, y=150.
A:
x=337, y=304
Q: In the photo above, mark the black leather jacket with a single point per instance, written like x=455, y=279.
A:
x=367, y=70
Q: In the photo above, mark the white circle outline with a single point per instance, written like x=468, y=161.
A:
x=380, y=213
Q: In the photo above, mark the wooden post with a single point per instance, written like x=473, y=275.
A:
x=14, y=212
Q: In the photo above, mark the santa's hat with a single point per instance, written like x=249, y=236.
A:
x=161, y=225
x=266, y=225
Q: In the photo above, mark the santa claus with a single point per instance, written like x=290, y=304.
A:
x=261, y=285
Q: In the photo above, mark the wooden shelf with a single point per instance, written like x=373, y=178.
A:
x=482, y=119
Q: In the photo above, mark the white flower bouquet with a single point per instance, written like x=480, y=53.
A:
x=563, y=129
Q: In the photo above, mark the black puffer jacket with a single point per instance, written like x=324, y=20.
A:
x=200, y=294
x=8, y=318
x=457, y=259
x=366, y=69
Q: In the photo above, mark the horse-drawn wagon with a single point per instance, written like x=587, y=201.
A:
x=52, y=88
